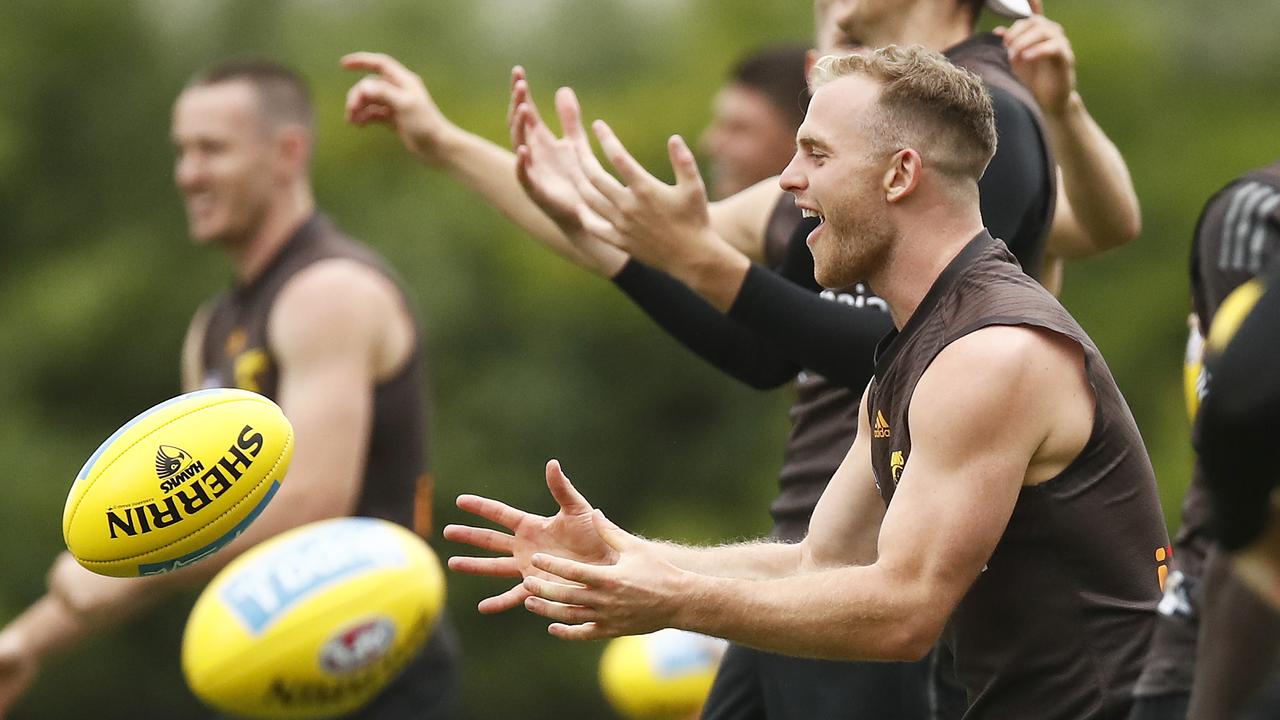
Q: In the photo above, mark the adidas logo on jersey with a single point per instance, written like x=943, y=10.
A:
x=881, y=429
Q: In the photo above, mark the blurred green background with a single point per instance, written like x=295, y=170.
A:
x=530, y=358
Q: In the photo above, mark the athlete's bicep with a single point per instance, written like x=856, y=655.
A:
x=974, y=432
x=327, y=330
x=741, y=218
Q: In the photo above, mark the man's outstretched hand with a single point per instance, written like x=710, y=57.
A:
x=570, y=533
x=394, y=95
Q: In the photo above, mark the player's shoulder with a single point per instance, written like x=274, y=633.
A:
x=335, y=283
x=334, y=298
x=1012, y=357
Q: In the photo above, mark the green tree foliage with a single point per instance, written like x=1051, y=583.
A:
x=530, y=358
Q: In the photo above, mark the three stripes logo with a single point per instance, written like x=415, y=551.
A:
x=1244, y=227
x=881, y=428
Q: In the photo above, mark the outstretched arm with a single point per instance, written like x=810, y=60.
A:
x=572, y=533
x=394, y=95
x=1097, y=206
x=950, y=508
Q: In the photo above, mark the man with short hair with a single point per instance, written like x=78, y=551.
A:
x=781, y=326
x=754, y=119
x=313, y=320
x=1004, y=500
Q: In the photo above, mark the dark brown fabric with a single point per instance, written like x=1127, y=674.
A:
x=1056, y=627
x=236, y=353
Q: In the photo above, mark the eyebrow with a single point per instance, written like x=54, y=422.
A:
x=809, y=142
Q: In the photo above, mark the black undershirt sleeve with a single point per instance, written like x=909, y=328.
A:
x=725, y=343
x=834, y=339
x=777, y=325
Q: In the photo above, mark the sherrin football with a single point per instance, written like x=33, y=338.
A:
x=314, y=622
x=176, y=483
x=664, y=675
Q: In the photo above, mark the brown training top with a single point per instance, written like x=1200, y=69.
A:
x=236, y=353
x=1056, y=626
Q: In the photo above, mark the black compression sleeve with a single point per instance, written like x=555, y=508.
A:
x=1015, y=193
x=688, y=318
x=833, y=338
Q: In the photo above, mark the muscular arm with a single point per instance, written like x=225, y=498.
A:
x=952, y=503
x=949, y=510
x=1097, y=205
x=850, y=509
x=398, y=97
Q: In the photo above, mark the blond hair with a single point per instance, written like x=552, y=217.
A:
x=925, y=103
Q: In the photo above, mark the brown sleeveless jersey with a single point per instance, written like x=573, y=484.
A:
x=236, y=353
x=824, y=417
x=1057, y=625
x=1237, y=237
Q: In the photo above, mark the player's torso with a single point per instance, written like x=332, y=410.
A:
x=1056, y=625
x=236, y=352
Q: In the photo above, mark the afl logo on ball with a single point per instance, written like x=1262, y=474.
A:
x=174, y=467
x=357, y=647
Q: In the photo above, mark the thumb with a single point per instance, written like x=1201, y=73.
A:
x=682, y=162
x=616, y=537
x=565, y=494
x=1037, y=7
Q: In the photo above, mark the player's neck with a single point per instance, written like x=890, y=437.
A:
x=928, y=242
x=295, y=206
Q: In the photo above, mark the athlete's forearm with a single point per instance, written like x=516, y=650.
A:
x=489, y=171
x=850, y=613
x=1096, y=182
x=724, y=343
x=750, y=560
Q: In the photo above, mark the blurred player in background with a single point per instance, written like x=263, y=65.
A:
x=313, y=320
x=1215, y=643
x=754, y=119
x=998, y=490
x=1237, y=447
x=784, y=322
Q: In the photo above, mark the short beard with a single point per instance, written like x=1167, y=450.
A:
x=856, y=253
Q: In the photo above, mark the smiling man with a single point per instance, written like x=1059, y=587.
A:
x=1004, y=501
x=313, y=320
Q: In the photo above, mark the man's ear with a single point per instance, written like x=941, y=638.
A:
x=293, y=146
x=903, y=175
x=810, y=59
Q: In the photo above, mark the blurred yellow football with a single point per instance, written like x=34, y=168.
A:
x=664, y=675
x=314, y=622
x=176, y=483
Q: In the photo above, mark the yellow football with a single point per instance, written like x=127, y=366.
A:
x=314, y=622
x=664, y=675
x=176, y=483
